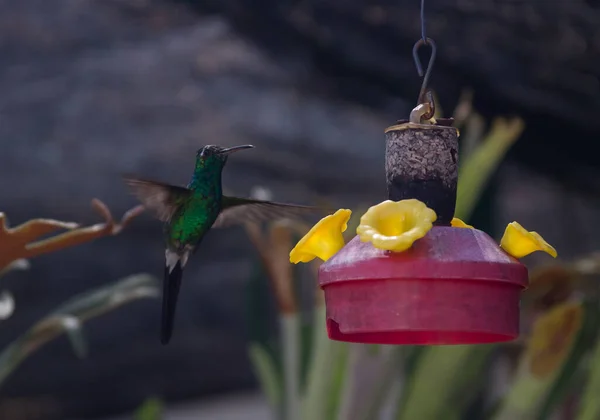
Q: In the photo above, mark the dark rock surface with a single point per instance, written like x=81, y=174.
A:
x=92, y=89
x=536, y=59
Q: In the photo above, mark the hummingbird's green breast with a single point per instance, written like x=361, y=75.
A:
x=196, y=214
x=192, y=220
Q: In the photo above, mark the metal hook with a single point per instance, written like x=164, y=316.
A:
x=424, y=91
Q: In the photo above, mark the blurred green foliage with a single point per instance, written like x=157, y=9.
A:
x=347, y=381
x=70, y=317
x=151, y=409
x=23, y=241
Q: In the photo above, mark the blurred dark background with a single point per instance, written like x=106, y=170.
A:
x=91, y=89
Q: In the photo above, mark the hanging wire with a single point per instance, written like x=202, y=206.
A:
x=423, y=37
x=425, y=95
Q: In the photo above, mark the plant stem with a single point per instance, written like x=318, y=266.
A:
x=337, y=379
x=349, y=390
x=369, y=380
x=386, y=371
x=324, y=354
x=267, y=374
x=441, y=379
x=590, y=403
x=524, y=397
x=290, y=335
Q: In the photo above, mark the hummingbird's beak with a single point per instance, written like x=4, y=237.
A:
x=236, y=148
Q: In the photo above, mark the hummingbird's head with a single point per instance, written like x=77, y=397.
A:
x=218, y=154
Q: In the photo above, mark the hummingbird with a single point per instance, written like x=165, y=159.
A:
x=188, y=213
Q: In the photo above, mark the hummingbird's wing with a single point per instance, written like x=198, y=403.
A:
x=161, y=199
x=239, y=210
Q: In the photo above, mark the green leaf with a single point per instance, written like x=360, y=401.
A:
x=267, y=373
x=477, y=168
x=537, y=391
x=73, y=328
x=20, y=264
x=319, y=386
x=471, y=136
x=307, y=332
x=258, y=305
x=385, y=367
x=291, y=348
x=568, y=374
x=440, y=380
x=590, y=403
x=411, y=360
x=339, y=374
x=82, y=307
x=259, y=314
x=151, y=409
x=374, y=349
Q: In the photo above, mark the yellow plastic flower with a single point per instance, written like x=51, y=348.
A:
x=324, y=240
x=519, y=242
x=395, y=225
x=456, y=222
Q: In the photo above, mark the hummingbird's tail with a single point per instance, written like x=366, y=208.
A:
x=171, y=285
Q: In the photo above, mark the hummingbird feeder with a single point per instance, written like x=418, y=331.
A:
x=452, y=286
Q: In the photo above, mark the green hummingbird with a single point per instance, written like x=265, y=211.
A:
x=190, y=212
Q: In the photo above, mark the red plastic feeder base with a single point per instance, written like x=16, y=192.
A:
x=454, y=286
